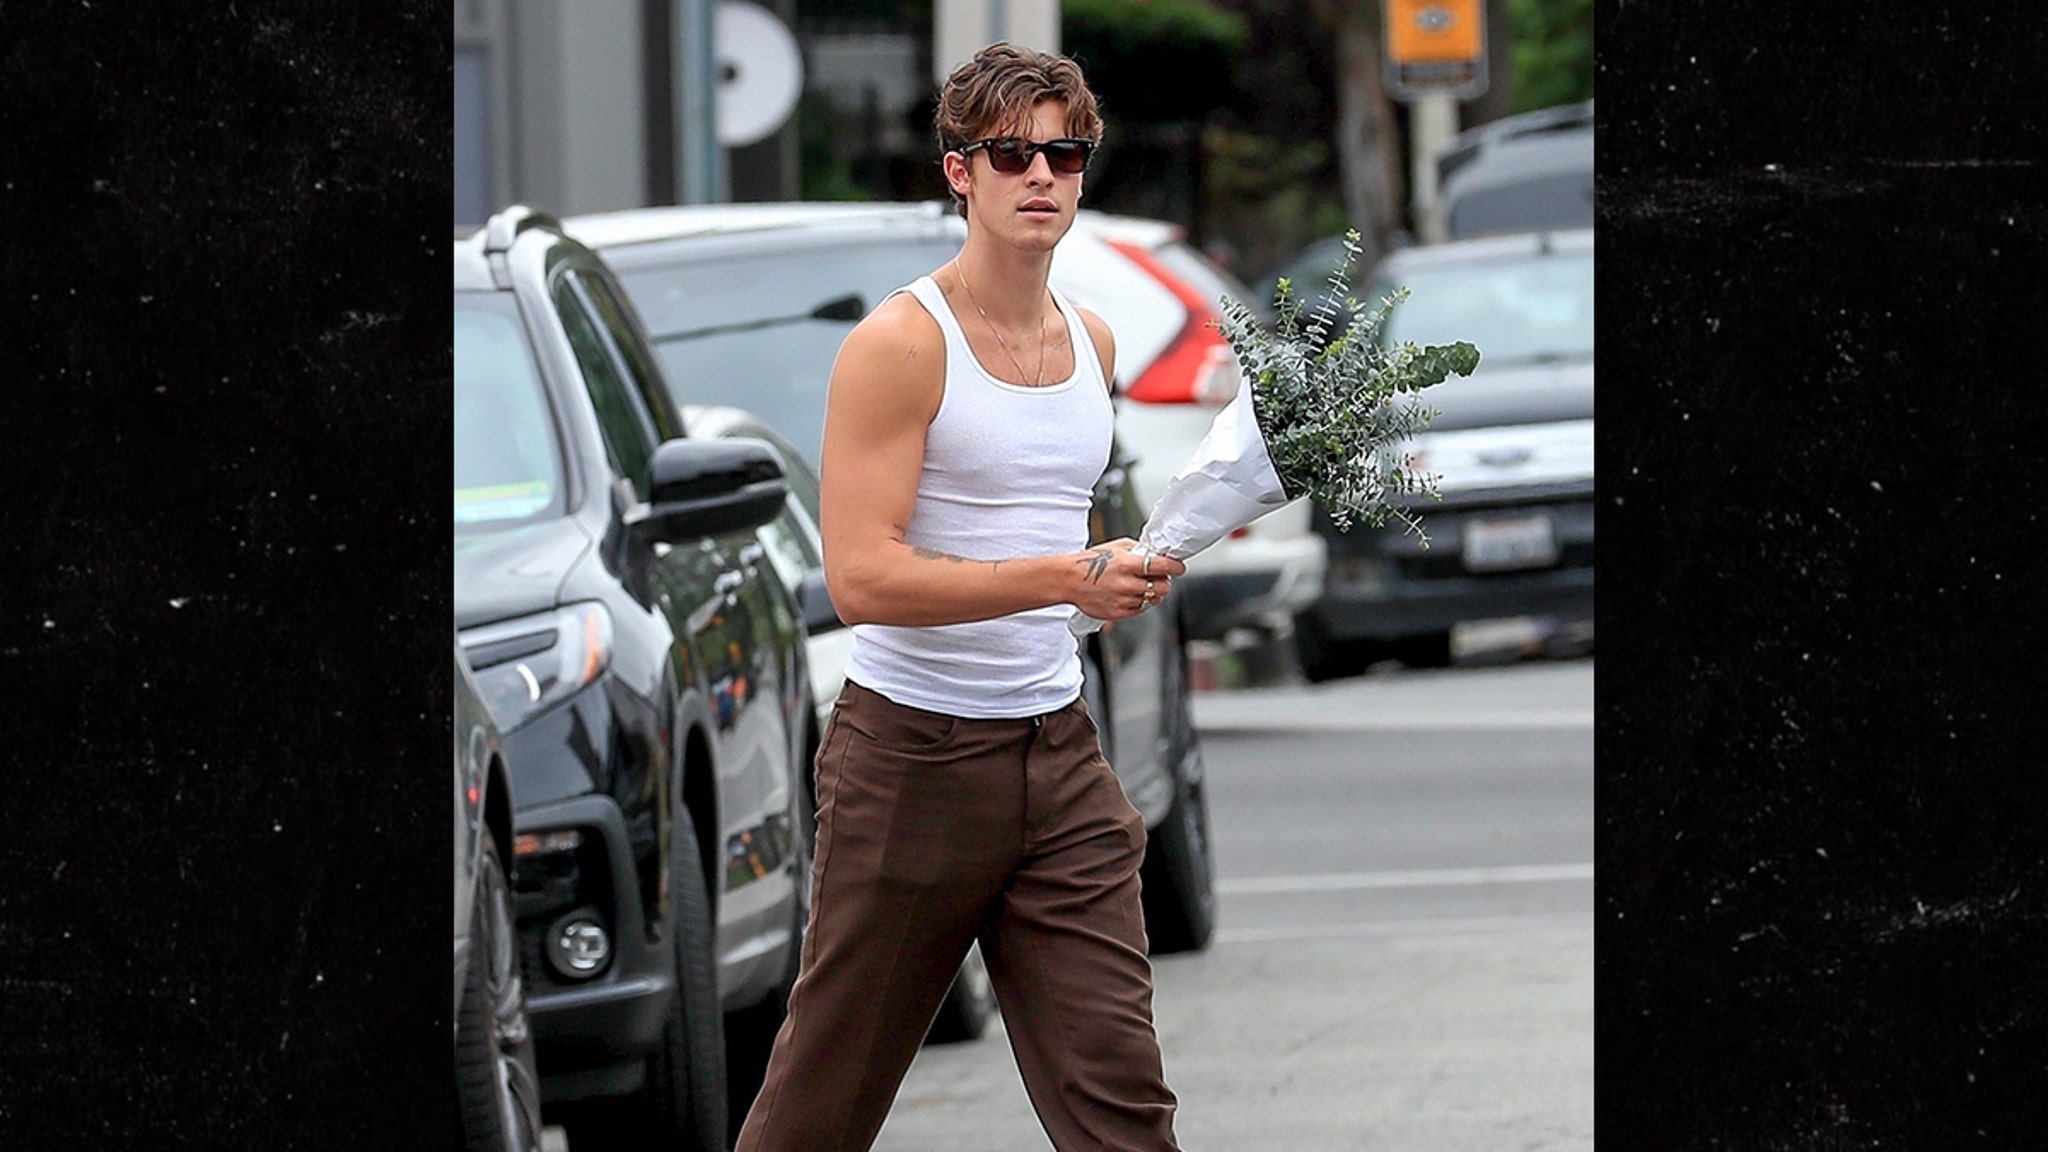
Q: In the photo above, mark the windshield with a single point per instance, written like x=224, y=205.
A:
x=779, y=371
x=507, y=466
x=1522, y=310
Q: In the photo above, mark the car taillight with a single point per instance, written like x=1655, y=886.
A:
x=1198, y=366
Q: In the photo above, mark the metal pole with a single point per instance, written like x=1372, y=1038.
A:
x=700, y=159
x=1432, y=122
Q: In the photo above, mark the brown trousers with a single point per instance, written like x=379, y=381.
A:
x=934, y=831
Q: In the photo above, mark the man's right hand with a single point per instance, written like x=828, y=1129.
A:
x=1114, y=581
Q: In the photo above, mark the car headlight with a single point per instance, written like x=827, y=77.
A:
x=528, y=665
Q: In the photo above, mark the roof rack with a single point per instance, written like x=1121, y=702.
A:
x=503, y=228
x=1467, y=145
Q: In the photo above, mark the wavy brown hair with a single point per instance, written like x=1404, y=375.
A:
x=998, y=89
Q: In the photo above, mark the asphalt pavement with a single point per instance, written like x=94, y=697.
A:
x=1405, y=952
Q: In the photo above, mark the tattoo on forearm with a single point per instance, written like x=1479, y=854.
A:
x=1097, y=562
x=923, y=553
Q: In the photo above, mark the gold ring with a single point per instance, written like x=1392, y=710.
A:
x=1146, y=567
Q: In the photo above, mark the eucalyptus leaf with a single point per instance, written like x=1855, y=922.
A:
x=1334, y=405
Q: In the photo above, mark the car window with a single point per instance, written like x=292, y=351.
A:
x=629, y=433
x=1307, y=272
x=778, y=370
x=803, y=483
x=1560, y=200
x=789, y=553
x=1514, y=310
x=508, y=464
x=629, y=346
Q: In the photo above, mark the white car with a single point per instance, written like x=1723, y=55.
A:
x=1174, y=373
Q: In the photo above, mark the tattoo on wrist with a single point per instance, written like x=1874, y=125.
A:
x=1097, y=563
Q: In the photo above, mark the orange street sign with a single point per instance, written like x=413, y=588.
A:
x=1436, y=47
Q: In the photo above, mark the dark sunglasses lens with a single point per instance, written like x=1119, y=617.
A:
x=1009, y=156
x=1068, y=158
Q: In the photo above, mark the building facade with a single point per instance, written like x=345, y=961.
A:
x=593, y=105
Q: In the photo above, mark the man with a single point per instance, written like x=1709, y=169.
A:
x=962, y=791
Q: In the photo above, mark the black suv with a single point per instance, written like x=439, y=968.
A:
x=647, y=670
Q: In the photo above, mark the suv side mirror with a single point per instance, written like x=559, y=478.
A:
x=820, y=616
x=711, y=488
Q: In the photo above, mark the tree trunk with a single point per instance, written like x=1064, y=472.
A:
x=1499, y=98
x=1369, y=149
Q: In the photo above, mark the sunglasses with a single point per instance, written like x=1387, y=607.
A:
x=1012, y=156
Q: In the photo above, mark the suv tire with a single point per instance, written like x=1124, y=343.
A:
x=497, y=1085
x=1323, y=657
x=683, y=1104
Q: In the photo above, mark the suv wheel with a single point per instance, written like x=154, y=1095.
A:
x=1323, y=657
x=495, y=1078
x=1432, y=650
x=683, y=1104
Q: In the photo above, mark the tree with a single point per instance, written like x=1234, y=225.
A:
x=1142, y=60
x=1368, y=136
x=1552, y=51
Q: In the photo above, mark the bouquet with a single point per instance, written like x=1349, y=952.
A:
x=1314, y=415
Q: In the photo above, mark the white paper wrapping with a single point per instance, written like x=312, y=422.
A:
x=1228, y=483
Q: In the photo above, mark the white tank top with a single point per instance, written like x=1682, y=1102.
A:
x=1009, y=472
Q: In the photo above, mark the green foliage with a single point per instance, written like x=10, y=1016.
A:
x=1336, y=408
x=1162, y=60
x=1552, y=51
x=825, y=174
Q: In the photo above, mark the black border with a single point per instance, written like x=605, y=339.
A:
x=1822, y=918
x=227, y=637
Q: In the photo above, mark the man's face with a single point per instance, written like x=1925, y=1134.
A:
x=1031, y=209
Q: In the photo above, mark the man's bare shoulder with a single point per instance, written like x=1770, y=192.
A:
x=898, y=329
x=1105, y=343
x=893, y=363
x=1098, y=328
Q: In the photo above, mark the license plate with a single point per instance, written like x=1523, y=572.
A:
x=1504, y=544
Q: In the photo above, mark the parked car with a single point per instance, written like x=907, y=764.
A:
x=497, y=1086
x=1512, y=447
x=648, y=673
x=1524, y=173
x=1308, y=274
x=1182, y=373
x=751, y=302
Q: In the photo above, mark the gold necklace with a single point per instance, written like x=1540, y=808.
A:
x=1005, y=344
